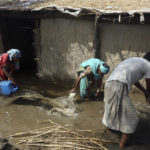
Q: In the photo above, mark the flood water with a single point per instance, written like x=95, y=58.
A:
x=19, y=114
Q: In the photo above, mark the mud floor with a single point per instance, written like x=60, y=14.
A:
x=20, y=114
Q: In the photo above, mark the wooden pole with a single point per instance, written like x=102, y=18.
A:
x=96, y=42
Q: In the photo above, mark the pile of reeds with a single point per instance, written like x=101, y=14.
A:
x=59, y=138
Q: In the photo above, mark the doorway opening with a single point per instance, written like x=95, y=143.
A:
x=18, y=33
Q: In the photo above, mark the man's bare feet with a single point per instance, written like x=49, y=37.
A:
x=107, y=129
x=124, y=140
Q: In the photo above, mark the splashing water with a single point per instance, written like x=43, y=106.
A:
x=61, y=106
x=69, y=106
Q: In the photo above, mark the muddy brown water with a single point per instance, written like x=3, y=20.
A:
x=25, y=114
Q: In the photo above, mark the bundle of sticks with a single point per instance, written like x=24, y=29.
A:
x=58, y=137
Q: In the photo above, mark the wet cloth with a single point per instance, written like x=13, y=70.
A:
x=120, y=113
x=131, y=71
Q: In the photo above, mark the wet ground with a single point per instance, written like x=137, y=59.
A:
x=19, y=114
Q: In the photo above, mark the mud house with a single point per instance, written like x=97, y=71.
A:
x=55, y=37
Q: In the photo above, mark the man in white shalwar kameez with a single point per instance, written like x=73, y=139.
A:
x=120, y=114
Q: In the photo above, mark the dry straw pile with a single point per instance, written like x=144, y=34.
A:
x=59, y=138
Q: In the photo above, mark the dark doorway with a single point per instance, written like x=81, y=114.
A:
x=18, y=33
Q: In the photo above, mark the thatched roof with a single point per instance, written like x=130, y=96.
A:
x=80, y=7
x=122, y=5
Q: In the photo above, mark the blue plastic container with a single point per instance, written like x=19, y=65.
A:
x=7, y=88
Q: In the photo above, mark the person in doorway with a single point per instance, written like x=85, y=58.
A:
x=120, y=114
x=9, y=62
x=90, y=71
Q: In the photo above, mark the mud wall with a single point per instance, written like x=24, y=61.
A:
x=65, y=43
x=119, y=42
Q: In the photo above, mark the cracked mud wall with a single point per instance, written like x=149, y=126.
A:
x=119, y=42
x=65, y=44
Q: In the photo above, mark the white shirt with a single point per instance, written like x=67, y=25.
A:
x=131, y=71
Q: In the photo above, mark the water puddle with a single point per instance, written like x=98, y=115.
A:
x=69, y=107
x=63, y=105
x=38, y=101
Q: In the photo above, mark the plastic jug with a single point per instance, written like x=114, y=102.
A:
x=7, y=87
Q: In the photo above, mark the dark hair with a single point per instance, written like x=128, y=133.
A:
x=105, y=65
x=147, y=56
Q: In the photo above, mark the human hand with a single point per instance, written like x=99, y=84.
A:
x=72, y=91
x=94, y=96
x=12, y=81
x=97, y=93
x=146, y=93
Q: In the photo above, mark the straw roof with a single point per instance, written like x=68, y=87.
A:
x=123, y=5
x=79, y=7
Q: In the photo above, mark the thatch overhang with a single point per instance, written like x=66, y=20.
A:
x=45, y=8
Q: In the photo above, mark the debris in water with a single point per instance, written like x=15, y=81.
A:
x=58, y=137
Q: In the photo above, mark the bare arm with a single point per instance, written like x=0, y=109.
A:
x=8, y=75
x=147, y=88
x=75, y=85
x=145, y=91
x=139, y=86
x=148, y=85
x=83, y=74
x=99, y=84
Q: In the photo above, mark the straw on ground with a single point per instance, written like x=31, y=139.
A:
x=58, y=137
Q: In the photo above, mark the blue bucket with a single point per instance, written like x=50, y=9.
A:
x=7, y=88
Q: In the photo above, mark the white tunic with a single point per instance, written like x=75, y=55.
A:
x=131, y=71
